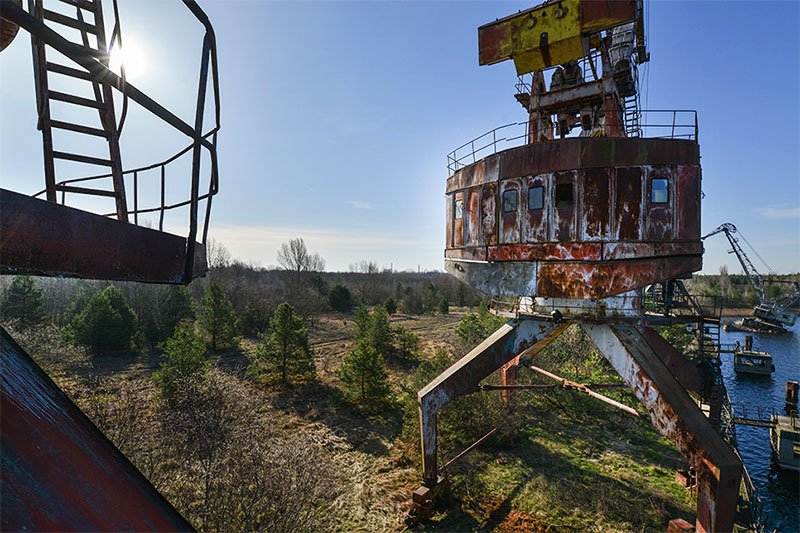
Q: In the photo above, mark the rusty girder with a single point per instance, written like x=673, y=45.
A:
x=657, y=374
x=641, y=362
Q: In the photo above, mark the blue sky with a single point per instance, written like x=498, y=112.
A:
x=337, y=117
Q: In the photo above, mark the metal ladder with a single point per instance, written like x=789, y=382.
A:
x=632, y=115
x=103, y=102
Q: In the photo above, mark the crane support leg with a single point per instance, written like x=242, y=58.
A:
x=519, y=336
x=676, y=416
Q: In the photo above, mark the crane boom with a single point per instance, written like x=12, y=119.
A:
x=753, y=276
x=775, y=314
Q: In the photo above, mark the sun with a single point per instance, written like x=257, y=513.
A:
x=131, y=57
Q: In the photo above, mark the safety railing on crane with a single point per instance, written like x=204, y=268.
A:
x=201, y=140
x=655, y=124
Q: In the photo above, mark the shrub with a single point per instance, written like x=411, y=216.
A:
x=339, y=298
x=107, y=322
x=476, y=326
x=23, y=303
x=390, y=305
x=185, y=364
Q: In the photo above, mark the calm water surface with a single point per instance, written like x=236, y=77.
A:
x=779, y=489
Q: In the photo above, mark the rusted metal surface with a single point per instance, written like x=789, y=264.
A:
x=599, y=280
x=580, y=387
x=570, y=279
x=676, y=416
x=509, y=341
x=8, y=30
x=626, y=306
x=549, y=34
x=96, y=70
x=43, y=238
x=687, y=373
x=59, y=472
x=573, y=154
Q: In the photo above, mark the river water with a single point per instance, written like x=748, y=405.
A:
x=779, y=489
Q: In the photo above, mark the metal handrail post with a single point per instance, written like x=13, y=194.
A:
x=198, y=127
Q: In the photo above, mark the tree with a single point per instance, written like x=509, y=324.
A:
x=379, y=334
x=23, y=302
x=254, y=320
x=367, y=281
x=218, y=256
x=174, y=306
x=295, y=258
x=286, y=353
x=185, y=365
x=107, y=322
x=364, y=373
x=476, y=326
x=390, y=305
x=443, y=306
x=339, y=298
x=218, y=319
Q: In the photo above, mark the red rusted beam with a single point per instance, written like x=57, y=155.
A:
x=59, y=472
x=567, y=384
x=517, y=337
x=676, y=416
x=44, y=238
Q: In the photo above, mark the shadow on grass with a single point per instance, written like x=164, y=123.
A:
x=326, y=404
x=555, y=480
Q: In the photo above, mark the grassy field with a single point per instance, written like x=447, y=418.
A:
x=563, y=461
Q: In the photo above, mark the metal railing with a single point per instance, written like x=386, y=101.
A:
x=507, y=136
x=100, y=73
x=67, y=185
x=655, y=124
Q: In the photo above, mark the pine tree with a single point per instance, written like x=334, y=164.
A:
x=185, y=363
x=254, y=320
x=390, y=305
x=23, y=302
x=379, y=333
x=339, y=298
x=107, y=322
x=286, y=354
x=174, y=306
x=364, y=373
x=218, y=319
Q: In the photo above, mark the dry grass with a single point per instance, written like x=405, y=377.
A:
x=587, y=468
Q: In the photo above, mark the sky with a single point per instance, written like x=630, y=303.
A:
x=337, y=118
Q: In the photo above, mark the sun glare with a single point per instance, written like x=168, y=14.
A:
x=130, y=55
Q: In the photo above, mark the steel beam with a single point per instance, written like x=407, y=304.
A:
x=640, y=361
x=44, y=238
x=516, y=337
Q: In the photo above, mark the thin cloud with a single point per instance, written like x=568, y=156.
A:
x=779, y=212
x=358, y=204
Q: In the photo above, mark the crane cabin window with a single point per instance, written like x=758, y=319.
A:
x=564, y=195
x=459, y=209
x=535, y=198
x=509, y=200
x=659, y=191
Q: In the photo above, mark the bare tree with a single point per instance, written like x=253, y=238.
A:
x=217, y=254
x=294, y=258
x=367, y=281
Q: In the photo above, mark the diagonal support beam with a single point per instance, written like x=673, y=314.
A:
x=676, y=416
x=514, y=338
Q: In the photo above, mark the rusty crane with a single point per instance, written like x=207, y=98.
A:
x=574, y=214
x=59, y=472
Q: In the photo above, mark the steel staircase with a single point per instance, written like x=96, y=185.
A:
x=48, y=74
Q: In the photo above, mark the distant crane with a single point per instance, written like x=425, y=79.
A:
x=769, y=315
